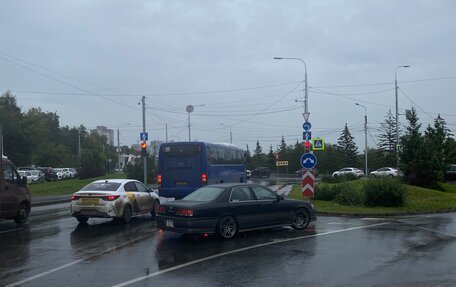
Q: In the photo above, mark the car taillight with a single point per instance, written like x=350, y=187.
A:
x=159, y=180
x=204, y=178
x=161, y=209
x=74, y=197
x=184, y=212
x=110, y=197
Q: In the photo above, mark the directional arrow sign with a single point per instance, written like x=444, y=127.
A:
x=306, y=126
x=307, y=136
x=144, y=136
x=308, y=160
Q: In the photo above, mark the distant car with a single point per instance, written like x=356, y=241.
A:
x=386, y=171
x=49, y=173
x=261, y=172
x=25, y=168
x=228, y=208
x=37, y=176
x=119, y=199
x=59, y=173
x=450, y=174
x=348, y=170
x=26, y=174
x=248, y=173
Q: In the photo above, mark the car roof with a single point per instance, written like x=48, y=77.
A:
x=116, y=180
x=228, y=185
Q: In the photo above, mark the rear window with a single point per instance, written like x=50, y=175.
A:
x=206, y=193
x=101, y=186
x=181, y=150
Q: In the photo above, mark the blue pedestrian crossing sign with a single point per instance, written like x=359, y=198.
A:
x=318, y=144
x=144, y=136
x=308, y=160
x=306, y=126
x=307, y=136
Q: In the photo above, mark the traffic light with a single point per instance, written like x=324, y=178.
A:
x=143, y=148
x=307, y=146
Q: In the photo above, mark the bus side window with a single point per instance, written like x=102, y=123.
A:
x=212, y=155
x=220, y=155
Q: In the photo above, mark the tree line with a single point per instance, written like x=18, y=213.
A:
x=35, y=137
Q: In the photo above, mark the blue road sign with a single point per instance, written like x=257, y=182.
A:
x=307, y=136
x=306, y=126
x=308, y=160
x=144, y=136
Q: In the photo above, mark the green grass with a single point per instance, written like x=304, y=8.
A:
x=418, y=200
x=67, y=186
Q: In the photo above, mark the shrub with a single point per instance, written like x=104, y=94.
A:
x=324, y=192
x=384, y=192
x=347, y=195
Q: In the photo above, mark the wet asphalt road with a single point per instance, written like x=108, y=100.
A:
x=54, y=250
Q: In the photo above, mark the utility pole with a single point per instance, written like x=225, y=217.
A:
x=365, y=136
x=144, y=131
x=166, y=128
x=79, y=147
x=118, y=150
x=397, y=115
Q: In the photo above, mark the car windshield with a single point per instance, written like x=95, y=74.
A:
x=207, y=193
x=101, y=186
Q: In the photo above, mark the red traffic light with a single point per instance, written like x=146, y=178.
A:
x=307, y=144
x=143, y=144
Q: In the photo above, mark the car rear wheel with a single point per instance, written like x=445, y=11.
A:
x=227, y=227
x=127, y=214
x=82, y=219
x=301, y=219
x=22, y=214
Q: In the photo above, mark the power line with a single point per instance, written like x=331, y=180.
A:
x=414, y=103
x=386, y=83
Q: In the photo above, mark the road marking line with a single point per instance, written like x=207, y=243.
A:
x=241, y=250
x=11, y=230
x=44, y=273
x=109, y=250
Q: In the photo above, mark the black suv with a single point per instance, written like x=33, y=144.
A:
x=261, y=172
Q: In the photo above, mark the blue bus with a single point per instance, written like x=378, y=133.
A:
x=186, y=166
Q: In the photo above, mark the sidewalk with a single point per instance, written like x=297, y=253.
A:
x=50, y=199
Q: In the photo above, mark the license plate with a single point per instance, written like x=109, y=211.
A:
x=181, y=183
x=89, y=201
x=169, y=223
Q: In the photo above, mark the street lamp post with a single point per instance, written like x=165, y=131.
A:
x=231, y=134
x=397, y=114
x=118, y=146
x=306, y=87
x=365, y=135
x=190, y=109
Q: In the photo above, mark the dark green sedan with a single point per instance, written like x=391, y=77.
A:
x=226, y=209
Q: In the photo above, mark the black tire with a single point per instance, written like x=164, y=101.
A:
x=127, y=214
x=82, y=219
x=154, y=210
x=391, y=176
x=22, y=214
x=301, y=219
x=227, y=227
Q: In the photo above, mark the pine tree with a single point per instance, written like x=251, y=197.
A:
x=347, y=148
x=387, y=139
x=258, y=155
x=271, y=158
x=436, y=146
x=412, y=154
x=248, y=158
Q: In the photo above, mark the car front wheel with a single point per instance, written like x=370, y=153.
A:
x=301, y=219
x=227, y=227
x=154, y=211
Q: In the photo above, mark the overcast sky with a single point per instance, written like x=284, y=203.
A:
x=91, y=61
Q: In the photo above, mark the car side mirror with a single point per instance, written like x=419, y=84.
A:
x=280, y=197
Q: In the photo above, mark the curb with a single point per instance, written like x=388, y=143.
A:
x=50, y=202
x=387, y=214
